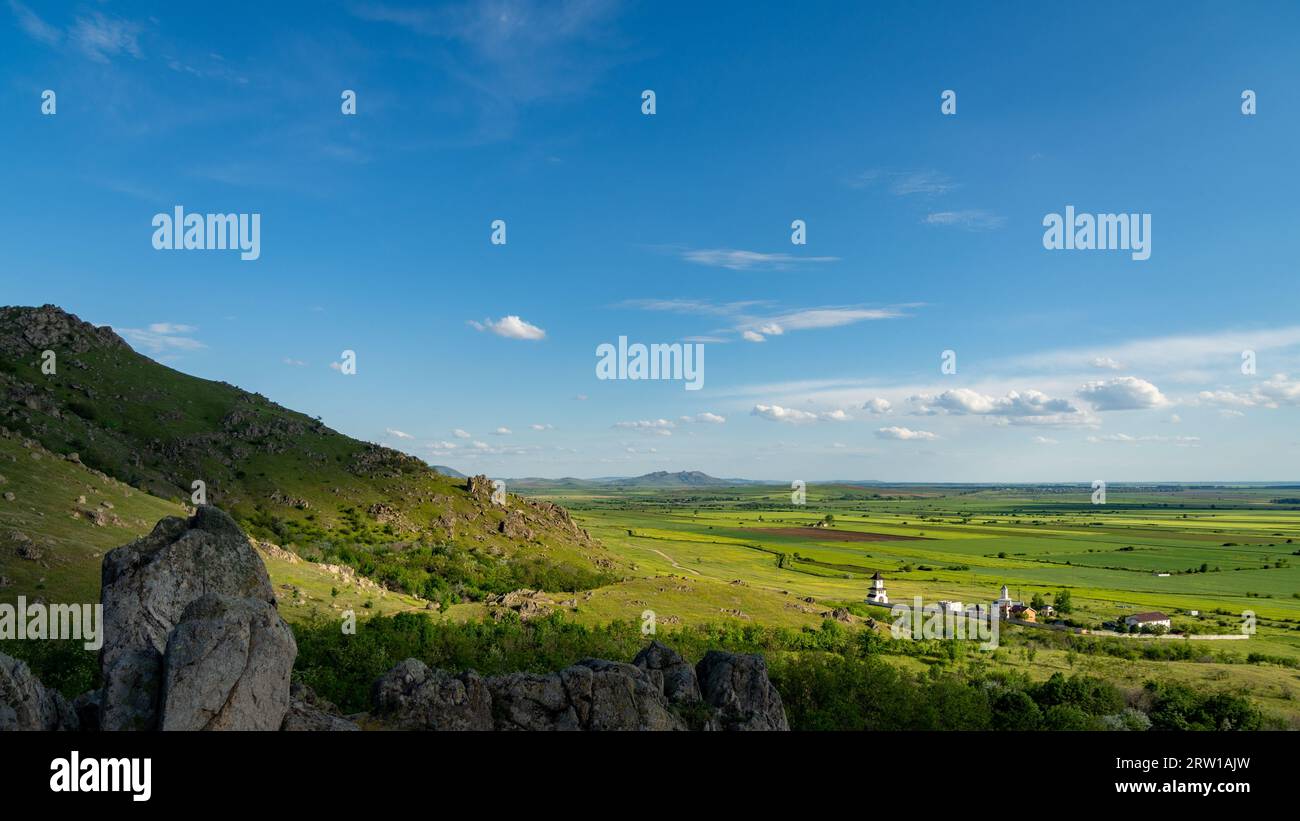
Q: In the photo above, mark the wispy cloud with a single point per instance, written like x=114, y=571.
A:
x=738, y=260
x=33, y=26
x=162, y=338
x=102, y=38
x=905, y=183
x=970, y=220
x=399, y=434
x=753, y=324
x=658, y=427
x=905, y=434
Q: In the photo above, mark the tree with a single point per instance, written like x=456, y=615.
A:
x=828, y=519
x=1037, y=602
x=1063, y=602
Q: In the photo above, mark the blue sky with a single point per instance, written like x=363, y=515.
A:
x=924, y=230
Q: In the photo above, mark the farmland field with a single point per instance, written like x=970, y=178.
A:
x=747, y=552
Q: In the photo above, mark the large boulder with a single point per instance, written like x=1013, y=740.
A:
x=674, y=676
x=147, y=586
x=411, y=696
x=26, y=704
x=590, y=695
x=227, y=667
x=737, y=687
x=310, y=713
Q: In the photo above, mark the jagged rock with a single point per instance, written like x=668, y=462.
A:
x=675, y=677
x=413, y=697
x=310, y=713
x=28, y=330
x=529, y=604
x=26, y=704
x=227, y=667
x=147, y=585
x=514, y=528
x=737, y=686
x=480, y=487
x=591, y=695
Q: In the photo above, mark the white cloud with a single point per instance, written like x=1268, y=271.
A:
x=1227, y=398
x=905, y=434
x=297, y=363
x=876, y=405
x=658, y=427
x=706, y=417
x=461, y=434
x=399, y=434
x=963, y=401
x=776, y=413
x=794, y=416
x=1122, y=393
x=1106, y=362
x=542, y=427
x=738, y=260
x=753, y=336
x=502, y=431
x=1043, y=440
x=510, y=327
x=1280, y=390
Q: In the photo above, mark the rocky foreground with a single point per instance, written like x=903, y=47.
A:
x=193, y=641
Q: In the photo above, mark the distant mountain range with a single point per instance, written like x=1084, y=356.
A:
x=657, y=479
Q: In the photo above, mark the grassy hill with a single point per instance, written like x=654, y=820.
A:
x=286, y=477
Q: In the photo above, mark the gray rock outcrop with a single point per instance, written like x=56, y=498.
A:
x=738, y=688
x=227, y=667
x=147, y=587
x=26, y=704
x=659, y=691
x=411, y=696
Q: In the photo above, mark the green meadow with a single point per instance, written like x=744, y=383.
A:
x=749, y=553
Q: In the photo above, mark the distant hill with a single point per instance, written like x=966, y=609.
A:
x=285, y=476
x=683, y=478
x=446, y=471
x=657, y=479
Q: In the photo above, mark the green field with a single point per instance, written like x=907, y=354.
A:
x=702, y=554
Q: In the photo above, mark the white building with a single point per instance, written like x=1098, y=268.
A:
x=1153, y=619
x=876, y=594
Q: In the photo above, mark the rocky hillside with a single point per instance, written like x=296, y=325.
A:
x=193, y=640
x=282, y=475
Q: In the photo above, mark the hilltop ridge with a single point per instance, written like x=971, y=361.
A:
x=285, y=476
